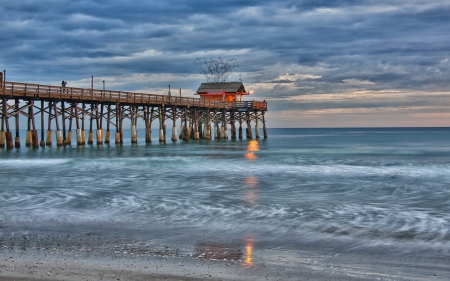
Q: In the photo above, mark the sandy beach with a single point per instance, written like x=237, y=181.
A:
x=75, y=261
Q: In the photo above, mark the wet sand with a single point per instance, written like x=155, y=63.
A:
x=83, y=254
x=16, y=264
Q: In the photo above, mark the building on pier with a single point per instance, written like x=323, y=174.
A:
x=222, y=91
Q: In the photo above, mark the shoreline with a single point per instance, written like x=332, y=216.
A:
x=271, y=264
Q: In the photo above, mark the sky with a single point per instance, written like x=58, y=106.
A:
x=318, y=63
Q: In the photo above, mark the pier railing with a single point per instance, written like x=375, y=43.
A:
x=38, y=91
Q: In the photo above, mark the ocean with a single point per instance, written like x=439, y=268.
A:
x=383, y=191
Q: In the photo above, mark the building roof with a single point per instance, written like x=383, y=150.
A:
x=216, y=87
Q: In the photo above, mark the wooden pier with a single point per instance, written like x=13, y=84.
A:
x=68, y=109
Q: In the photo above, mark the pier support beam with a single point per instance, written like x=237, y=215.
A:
x=196, y=133
x=162, y=126
x=59, y=138
x=2, y=139
x=9, y=140
x=49, y=138
x=256, y=126
x=28, y=138
x=118, y=136
x=264, y=126
x=174, y=126
x=134, y=133
x=224, y=125
x=79, y=137
x=249, y=127
x=148, y=124
x=42, y=124
x=17, y=138
x=108, y=132
x=3, y=120
x=99, y=135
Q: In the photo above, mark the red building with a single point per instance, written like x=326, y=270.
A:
x=222, y=91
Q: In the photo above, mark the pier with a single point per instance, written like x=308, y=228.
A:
x=64, y=110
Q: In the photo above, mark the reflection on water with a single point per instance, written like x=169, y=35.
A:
x=213, y=251
x=249, y=243
x=251, y=148
x=251, y=199
x=251, y=194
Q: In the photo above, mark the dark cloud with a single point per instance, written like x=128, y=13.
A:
x=343, y=45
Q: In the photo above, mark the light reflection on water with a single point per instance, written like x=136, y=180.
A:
x=249, y=244
x=251, y=148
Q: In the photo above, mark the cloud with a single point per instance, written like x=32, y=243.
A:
x=287, y=50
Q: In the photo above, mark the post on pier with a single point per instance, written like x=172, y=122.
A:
x=98, y=119
x=2, y=131
x=17, y=138
x=59, y=137
x=108, y=118
x=33, y=136
x=49, y=137
x=249, y=126
x=224, y=125
x=257, y=136
x=184, y=134
x=133, y=117
x=83, y=131
x=77, y=124
x=233, y=124
x=63, y=119
x=69, y=132
x=162, y=126
x=174, y=126
x=207, y=125
x=42, y=124
x=264, y=125
x=240, y=126
x=117, y=136
x=196, y=125
x=91, y=133
x=148, y=124
x=29, y=135
x=216, y=125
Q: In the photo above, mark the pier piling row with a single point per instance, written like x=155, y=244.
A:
x=73, y=109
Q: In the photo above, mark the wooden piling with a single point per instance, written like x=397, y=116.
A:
x=99, y=117
x=2, y=138
x=28, y=136
x=69, y=132
x=42, y=124
x=17, y=138
x=63, y=120
x=264, y=125
x=2, y=131
x=91, y=133
x=162, y=133
x=249, y=127
x=35, y=139
x=59, y=136
x=108, y=132
x=256, y=126
x=9, y=140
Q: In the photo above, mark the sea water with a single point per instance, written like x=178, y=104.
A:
x=379, y=189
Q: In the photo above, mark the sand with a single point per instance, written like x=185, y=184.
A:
x=72, y=254
x=17, y=264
